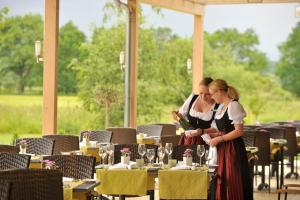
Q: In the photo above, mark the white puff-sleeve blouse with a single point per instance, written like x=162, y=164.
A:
x=235, y=110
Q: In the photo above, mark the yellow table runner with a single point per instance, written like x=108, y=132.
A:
x=183, y=184
x=145, y=140
x=91, y=151
x=36, y=162
x=123, y=181
x=68, y=189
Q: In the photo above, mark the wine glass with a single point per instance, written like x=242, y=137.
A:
x=161, y=154
x=142, y=150
x=169, y=150
x=200, y=152
x=110, y=152
x=150, y=153
x=207, y=157
x=101, y=153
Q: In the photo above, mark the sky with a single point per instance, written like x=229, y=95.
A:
x=272, y=22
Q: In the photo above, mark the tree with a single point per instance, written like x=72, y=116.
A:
x=100, y=76
x=17, y=38
x=288, y=68
x=242, y=45
x=70, y=40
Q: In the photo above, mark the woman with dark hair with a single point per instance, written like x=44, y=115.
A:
x=199, y=110
x=233, y=178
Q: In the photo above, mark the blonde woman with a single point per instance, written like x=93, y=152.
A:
x=200, y=110
x=234, y=180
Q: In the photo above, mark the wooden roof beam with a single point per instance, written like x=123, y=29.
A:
x=194, y=7
x=210, y=2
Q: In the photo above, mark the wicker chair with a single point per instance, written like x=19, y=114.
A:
x=262, y=141
x=174, y=139
x=14, y=161
x=39, y=146
x=134, y=151
x=8, y=149
x=292, y=149
x=33, y=184
x=168, y=129
x=178, y=151
x=275, y=132
x=150, y=130
x=63, y=143
x=249, y=138
x=123, y=135
x=99, y=136
x=74, y=166
x=4, y=190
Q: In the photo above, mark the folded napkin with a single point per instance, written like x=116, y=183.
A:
x=118, y=166
x=182, y=167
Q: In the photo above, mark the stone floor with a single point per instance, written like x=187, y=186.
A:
x=259, y=195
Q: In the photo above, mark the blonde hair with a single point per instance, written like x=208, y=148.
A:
x=220, y=84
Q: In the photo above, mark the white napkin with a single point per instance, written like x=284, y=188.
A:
x=118, y=166
x=213, y=156
x=206, y=137
x=182, y=167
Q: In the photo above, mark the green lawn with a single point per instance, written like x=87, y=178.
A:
x=22, y=115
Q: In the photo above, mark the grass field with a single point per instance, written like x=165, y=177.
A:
x=22, y=115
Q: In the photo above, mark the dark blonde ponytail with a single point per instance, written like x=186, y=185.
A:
x=233, y=93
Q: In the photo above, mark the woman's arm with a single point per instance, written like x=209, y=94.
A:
x=237, y=132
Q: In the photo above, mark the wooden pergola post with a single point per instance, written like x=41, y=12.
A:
x=51, y=29
x=134, y=24
x=197, y=52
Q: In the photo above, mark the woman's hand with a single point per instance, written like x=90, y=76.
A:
x=215, y=141
x=191, y=133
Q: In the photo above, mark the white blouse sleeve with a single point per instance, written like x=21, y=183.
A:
x=236, y=112
x=185, y=107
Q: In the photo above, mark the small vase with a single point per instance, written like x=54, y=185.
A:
x=86, y=141
x=22, y=149
x=188, y=161
x=125, y=160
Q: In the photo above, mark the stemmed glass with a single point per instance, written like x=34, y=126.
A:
x=161, y=154
x=142, y=150
x=169, y=150
x=110, y=152
x=200, y=152
x=150, y=155
x=102, y=154
x=207, y=157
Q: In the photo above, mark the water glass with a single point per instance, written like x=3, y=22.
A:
x=161, y=154
x=169, y=150
x=142, y=150
x=200, y=152
x=150, y=153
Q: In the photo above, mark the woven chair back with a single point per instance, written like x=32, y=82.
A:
x=74, y=166
x=38, y=146
x=168, y=129
x=63, y=143
x=174, y=139
x=99, y=136
x=134, y=151
x=8, y=149
x=14, y=161
x=123, y=135
x=262, y=141
x=33, y=184
x=150, y=130
x=249, y=138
